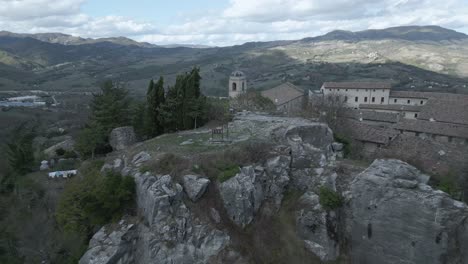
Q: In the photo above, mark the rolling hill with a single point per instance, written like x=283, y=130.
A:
x=418, y=58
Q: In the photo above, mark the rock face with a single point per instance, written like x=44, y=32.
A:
x=195, y=186
x=122, y=137
x=171, y=233
x=317, y=227
x=242, y=196
x=112, y=247
x=395, y=217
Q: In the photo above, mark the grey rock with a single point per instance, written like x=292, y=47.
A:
x=395, y=217
x=44, y=165
x=117, y=165
x=122, y=137
x=112, y=245
x=171, y=233
x=187, y=142
x=337, y=146
x=195, y=186
x=276, y=178
x=317, y=227
x=215, y=215
x=141, y=157
x=242, y=196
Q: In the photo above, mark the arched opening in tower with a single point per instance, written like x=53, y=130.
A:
x=234, y=87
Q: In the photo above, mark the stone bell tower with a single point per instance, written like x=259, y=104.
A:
x=237, y=84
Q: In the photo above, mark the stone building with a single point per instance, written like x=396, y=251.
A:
x=355, y=93
x=287, y=97
x=237, y=84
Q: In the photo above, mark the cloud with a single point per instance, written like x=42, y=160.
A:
x=240, y=21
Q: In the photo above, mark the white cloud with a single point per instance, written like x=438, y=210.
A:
x=239, y=22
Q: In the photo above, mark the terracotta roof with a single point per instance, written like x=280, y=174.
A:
x=391, y=107
x=428, y=95
x=369, y=133
x=424, y=126
x=358, y=85
x=283, y=93
x=408, y=94
x=448, y=111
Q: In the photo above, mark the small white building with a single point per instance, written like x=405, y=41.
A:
x=237, y=84
x=355, y=93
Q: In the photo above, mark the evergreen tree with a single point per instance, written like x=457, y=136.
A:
x=155, y=98
x=20, y=150
x=110, y=108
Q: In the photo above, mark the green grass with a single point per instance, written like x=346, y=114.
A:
x=329, y=199
x=227, y=172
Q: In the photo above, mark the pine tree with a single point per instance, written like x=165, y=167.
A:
x=155, y=98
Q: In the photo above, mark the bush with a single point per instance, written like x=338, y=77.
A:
x=346, y=144
x=449, y=185
x=227, y=172
x=329, y=199
x=60, y=152
x=94, y=200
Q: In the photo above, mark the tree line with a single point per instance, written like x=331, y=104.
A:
x=171, y=109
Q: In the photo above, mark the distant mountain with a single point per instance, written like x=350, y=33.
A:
x=423, y=58
x=411, y=33
x=192, y=46
x=64, y=39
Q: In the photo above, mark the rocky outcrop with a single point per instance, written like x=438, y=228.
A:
x=171, y=234
x=122, y=137
x=317, y=227
x=112, y=245
x=242, y=196
x=195, y=186
x=395, y=217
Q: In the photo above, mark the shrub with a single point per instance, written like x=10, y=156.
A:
x=449, y=185
x=94, y=200
x=329, y=199
x=60, y=152
x=346, y=144
x=227, y=172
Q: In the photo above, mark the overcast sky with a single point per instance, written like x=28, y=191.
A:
x=223, y=22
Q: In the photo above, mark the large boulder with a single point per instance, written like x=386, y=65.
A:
x=195, y=186
x=395, y=217
x=112, y=245
x=122, y=137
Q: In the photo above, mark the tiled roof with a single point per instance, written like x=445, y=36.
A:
x=391, y=107
x=358, y=85
x=424, y=126
x=448, y=111
x=283, y=93
x=369, y=133
x=428, y=95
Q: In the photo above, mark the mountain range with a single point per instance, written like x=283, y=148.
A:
x=412, y=57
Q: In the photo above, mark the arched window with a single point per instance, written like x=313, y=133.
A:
x=234, y=87
x=243, y=86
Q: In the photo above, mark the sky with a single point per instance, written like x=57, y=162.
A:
x=223, y=22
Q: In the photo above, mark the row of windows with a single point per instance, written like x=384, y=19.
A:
x=408, y=101
x=330, y=89
x=356, y=99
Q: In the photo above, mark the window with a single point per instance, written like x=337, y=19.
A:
x=395, y=101
x=338, y=90
x=373, y=99
x=374, y=90
x=422, y=102
x=346, y=90
x=365, y=99
x=346, y=98
x=243, y=86
x=356, y=99
x=415, y=115
x=409, y=101
x=234, y=87
x=382, y=100
x=366, y=90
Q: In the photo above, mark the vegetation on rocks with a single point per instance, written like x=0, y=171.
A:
x=329, y=199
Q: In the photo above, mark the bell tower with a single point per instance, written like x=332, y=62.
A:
x=237, y=84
